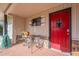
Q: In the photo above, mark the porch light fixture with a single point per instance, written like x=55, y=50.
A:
x=30, y=23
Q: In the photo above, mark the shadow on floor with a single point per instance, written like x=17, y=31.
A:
x=18, y=42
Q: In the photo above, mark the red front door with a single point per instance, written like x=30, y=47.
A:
x=60, y=30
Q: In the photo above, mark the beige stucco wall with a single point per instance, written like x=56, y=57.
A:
x=77, y=22
x=44, y=29
x=18, y=26
x=38, y=30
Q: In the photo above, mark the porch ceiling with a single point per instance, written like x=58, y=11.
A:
x=28, y=9
x=3, y=6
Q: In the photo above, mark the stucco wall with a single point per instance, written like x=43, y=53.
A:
x=38, y=30
x=77, y=22
x=18, y=26
x=44, y=30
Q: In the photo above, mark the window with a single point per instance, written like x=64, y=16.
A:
x=59, y=23
x=36, y=21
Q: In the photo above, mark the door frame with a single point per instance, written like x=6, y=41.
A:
x=70, y=27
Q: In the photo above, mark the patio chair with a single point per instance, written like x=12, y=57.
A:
x=28, y=41
x=39, y=42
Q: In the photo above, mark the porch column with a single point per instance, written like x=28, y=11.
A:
x=5, y=24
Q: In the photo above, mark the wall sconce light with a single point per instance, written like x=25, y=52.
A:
x=30, y=23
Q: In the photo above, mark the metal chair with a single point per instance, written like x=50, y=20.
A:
x=39, y=42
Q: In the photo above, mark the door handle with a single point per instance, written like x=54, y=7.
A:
x=67, y=30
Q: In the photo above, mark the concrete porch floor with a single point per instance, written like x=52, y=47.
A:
x=21, y=50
